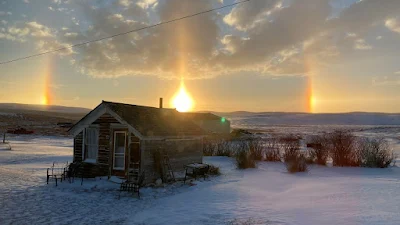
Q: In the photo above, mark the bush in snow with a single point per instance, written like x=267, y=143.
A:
x=272, y=155
x=343, y=149
x=297, y=163
x=223, y=148
x=244, y=159
x=243, y=222
x=208, y=148
x=318, y=150
x=272, y=152
x=256, y=148
x=290, y=145
x=214, y=170
x=375, y=152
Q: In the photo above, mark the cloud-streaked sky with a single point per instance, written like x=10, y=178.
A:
x=262, y=55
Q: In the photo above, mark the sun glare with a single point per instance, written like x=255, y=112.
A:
x=313, y=102
x=45, y=100
x=182, y=100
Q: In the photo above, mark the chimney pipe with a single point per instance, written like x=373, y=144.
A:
x=161, y=106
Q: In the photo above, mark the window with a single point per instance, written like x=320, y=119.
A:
x=91, y=144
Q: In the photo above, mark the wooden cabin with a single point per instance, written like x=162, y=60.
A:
x=114, y=137
x=210, y=123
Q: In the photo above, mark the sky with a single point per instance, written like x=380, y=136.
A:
x=262, y=55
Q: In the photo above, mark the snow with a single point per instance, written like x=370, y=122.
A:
x=265, y=195
x=8, y=114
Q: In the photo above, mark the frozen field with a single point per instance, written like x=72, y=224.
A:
x=266, y=195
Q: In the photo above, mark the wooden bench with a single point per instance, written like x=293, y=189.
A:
x=197, y=169
x=57, y=172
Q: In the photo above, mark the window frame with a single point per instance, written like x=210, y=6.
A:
x=84, y=144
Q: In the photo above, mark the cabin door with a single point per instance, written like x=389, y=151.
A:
x=120, y=145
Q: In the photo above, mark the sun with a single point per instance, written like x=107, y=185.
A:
x=182, y=100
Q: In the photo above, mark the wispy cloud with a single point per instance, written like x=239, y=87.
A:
x=393, y=24
x=361, y=44
x=386, y=80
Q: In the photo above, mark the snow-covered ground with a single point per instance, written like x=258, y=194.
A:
x=266, y=195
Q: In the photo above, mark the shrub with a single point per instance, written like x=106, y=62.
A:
x=214, y=170
x=375, y=153
x=296, y=164
x=272, y=155
x=290, y=145
x=242, y=222
x=223, y=148
x=318, y=150
x=309, y=159
x=208, y=148
x=256, y=149
x=272, y=152
x=342, y=149
x=244, y=159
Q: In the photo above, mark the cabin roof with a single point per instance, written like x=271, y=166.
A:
x=151, y=121
x=201, y=116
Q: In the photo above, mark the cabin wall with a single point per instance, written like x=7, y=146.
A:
x=180, y=152
x=104, y=156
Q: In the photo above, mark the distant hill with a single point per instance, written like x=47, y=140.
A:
x=283, y=118
x=45, y=108
x=41, y=119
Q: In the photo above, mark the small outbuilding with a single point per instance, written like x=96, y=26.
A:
x=115, y=137
x=210, y=123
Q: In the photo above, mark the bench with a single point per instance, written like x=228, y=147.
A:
x=57, y=172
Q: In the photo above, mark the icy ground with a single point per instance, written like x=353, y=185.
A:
x=266, y=195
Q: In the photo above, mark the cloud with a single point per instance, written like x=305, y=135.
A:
x=393, y=24
x=8, y=36
x=274, y=37
x=246, y=16
x=361, y=44
x=39, y=30
x=165, y=51
x=269, y=37
x=52, y=44
x=44, y=38
x=146, y=3
x=3, y=13
x=386, y=80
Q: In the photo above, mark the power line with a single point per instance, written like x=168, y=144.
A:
x=124, y=33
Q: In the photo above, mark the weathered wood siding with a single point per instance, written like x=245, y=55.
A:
x=180, y=152
x=134, y=150
x=78, y=147
x=104, y=156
